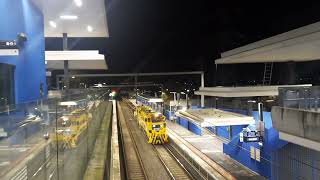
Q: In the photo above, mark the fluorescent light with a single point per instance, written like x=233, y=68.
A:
x=68, y=17
x=270, y=100
x=154, y=100
x=53, y=24
x=78, y=2
x=68, y=103
x=89, y=28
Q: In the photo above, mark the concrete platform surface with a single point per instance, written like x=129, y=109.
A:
x=210, y=148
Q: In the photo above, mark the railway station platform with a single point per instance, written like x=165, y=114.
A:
x=209, y=148
x=202, y=136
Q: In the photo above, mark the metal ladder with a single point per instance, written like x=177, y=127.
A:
x=267, y=75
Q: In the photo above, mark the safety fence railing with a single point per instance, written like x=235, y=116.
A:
x=50, y=138
x=303, y=97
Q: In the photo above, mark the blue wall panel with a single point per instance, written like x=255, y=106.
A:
x=178, y=120
x=237, y=129
x=189, y=125
x=168, y=114
x=195, y=107
x=22, y=16
x=211, y=129
x=271, y=141
x=184, y=123
x=222, y=131
x=194, y=128
x=241, y=151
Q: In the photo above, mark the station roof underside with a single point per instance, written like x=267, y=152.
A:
x=302, y=44
x=77, y=18
x=248, y=91
x=78, y=60
x=215, y=117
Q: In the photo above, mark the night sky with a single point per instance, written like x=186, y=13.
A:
x=161, y=35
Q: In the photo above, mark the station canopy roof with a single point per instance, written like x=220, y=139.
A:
x=77, y=18
x=247, y=91
x=302, y=44
x=78, y=60
x=150, y=99
x=215, y=117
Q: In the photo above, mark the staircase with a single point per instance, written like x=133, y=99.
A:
x=267, y=75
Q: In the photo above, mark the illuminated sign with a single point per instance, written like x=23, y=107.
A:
x=8, y=48
x=8, y=45
x=250, y=136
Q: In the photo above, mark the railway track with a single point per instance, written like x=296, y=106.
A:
x=133, y=165
x=150, y=157
x=171, y=163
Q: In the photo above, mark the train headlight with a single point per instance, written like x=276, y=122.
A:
x=157, y=114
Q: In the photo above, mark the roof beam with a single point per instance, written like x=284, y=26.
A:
x=298, y=45
x=138, y=74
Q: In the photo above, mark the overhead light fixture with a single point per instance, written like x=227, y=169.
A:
x=89, y=28
x=270, y=100
x=53, y=24
x=154, y=100
x=78, y=2
x=68, y=17
x=68, y=103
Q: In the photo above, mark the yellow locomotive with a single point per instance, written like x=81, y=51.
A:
x=153, y=123
x=71, y=127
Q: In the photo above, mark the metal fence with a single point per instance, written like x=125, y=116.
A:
x=303, y=97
